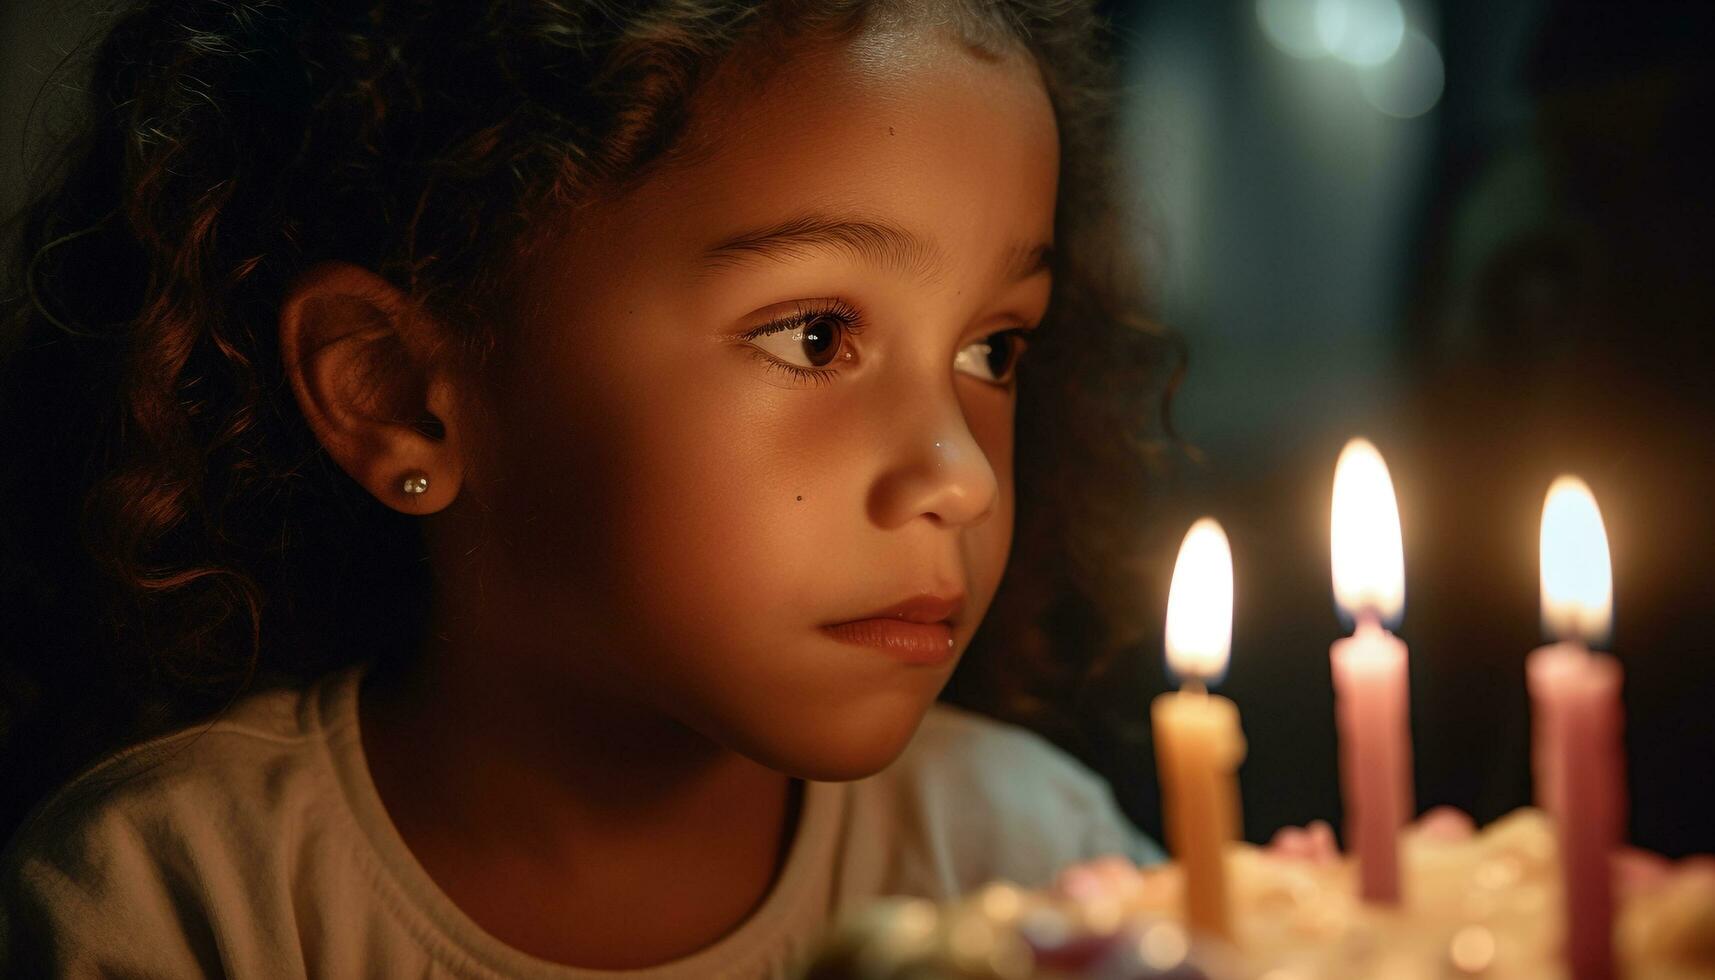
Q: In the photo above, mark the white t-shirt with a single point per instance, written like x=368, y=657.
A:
x=259, y=847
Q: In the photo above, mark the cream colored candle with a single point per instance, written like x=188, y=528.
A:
x=1198, y=742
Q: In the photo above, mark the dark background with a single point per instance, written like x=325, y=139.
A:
x=1511, y=284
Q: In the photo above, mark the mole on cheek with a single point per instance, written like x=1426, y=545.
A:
x=800, y=498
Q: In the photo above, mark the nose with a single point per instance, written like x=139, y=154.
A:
x=937, y=469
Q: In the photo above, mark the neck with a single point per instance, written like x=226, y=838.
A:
x=506, y=751
x=535, y=797
x=540, y=777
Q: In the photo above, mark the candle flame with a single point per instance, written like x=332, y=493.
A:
x=1368, y=557
x=1577, y=576
x=1200, y=605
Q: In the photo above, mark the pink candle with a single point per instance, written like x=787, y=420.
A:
x=1372, y=707
x=1547, y=670
x=1371, y=692
x=1576, y=716
x=1590, y=821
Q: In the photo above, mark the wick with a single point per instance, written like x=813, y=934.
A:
x=1367, y=620
x=1194, y=687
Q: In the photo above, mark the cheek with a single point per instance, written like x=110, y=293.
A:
x=989, y=543
x=703, y=471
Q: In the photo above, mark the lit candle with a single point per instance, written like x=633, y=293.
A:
x=1576, y=721
x=1198, y=743
x=1371, y=693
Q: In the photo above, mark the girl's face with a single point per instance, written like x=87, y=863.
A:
x=685, y=505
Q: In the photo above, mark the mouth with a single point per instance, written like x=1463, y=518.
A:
x=917, y=630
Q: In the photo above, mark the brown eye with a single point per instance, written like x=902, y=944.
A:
x=812, y=344
x=821, y=339
x=994, y=357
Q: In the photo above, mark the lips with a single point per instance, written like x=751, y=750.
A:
x=922, y=608
x=916, y=630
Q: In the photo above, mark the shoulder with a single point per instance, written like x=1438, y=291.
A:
x=144, y=840
x=976, y=799
x=245, y=758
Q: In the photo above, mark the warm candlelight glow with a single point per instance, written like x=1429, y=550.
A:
x=1369, y=560
x=1577, y=576
x=1200, y=605
x=1198, y=742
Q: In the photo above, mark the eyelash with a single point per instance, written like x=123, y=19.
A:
x=851, y=323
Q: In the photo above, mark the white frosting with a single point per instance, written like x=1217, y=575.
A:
x=1483, y=905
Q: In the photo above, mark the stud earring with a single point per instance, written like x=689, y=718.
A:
x=416, y=482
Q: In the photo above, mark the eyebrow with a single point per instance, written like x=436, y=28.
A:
x=878, y=243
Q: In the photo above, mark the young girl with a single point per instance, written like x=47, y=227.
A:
x=520, y=479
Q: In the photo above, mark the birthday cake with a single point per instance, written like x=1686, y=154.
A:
x=1476, y=904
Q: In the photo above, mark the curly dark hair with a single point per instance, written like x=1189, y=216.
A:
x=172, y=535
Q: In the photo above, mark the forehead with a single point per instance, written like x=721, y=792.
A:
x=908, y=128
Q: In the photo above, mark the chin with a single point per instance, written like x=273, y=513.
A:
x=831, y=745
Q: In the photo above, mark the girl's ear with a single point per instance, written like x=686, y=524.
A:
x=368, y=373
